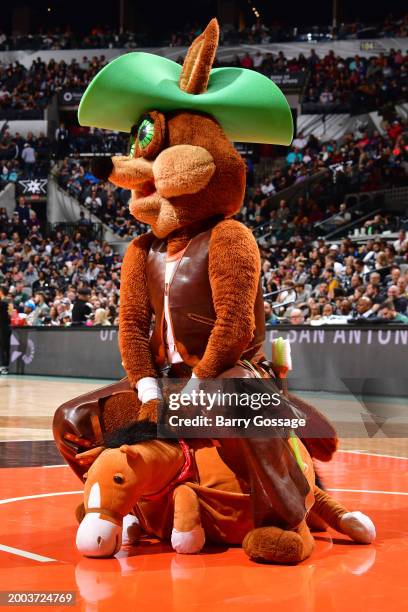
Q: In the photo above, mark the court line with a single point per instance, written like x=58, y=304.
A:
x=361, y=452
x=23, y=498
x=25, y=553
x=370, y=491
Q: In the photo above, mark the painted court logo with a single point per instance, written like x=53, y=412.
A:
x=26, y=355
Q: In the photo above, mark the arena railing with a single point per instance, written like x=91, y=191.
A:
x=335, y=358
x=290, y=194
x=89, y=230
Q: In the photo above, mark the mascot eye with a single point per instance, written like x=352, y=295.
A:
x=132, y=145
x=145, y=132
x=118, y=478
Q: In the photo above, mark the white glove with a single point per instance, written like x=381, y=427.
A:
x=148, y=389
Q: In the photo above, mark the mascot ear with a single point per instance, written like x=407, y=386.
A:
x=199, y=60
x=130, y=451
x=90, y=455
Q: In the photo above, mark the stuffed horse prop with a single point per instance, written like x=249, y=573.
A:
x=187, y=494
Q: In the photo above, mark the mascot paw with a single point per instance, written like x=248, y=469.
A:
x=358, y=527
x=188, y=542
x=130, y=530
x=274, y=545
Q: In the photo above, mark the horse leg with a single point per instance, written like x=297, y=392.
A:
x=356, y=525
x=131, y=530
x=275, y=545
x=188, y=535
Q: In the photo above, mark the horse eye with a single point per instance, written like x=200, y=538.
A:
x=118, y=479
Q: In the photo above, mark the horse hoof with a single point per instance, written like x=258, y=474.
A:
x=274, y=545
x=188, y=542
x=131, y=530
x=358, y=527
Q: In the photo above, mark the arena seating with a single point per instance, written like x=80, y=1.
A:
x=100, y=37
x=323, y=258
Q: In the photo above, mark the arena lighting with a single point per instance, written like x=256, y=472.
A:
x=254, y=9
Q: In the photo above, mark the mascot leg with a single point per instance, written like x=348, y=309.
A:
x=356, y=525
x=81, y=423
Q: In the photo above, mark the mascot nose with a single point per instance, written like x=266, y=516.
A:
x=102, y=167
x=97, y=537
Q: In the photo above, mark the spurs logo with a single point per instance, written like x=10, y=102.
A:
x=27, y=356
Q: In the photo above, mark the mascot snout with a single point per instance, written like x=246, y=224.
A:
x=97, y=537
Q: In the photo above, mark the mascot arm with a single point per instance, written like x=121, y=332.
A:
x=234, y=271
x=135, y=313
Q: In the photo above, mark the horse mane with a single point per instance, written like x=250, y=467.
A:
x=134, y=433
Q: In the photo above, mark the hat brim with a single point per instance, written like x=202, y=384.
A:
x=248, y=105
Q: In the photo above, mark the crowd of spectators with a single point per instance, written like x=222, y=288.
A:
x=23, y=157
x=64, y=38
x=359, y=162
x=29, y=90
x=335, y=84
x=64, y=280
x=105, y=201
x=59, y=279
x=364, y=161
x=100, y=37
x=30, y=155
x=319, y=282
x=355, y=84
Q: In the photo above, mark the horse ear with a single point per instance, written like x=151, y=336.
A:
x=199, y=60
x=89, y=455
x=129, y=450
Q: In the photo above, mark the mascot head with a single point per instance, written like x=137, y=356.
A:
x=181, y=166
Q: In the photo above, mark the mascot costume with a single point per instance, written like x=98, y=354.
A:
x=195, y=277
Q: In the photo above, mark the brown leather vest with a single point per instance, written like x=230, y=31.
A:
x=190, y=302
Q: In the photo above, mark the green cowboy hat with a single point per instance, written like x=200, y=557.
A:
x=248, y=105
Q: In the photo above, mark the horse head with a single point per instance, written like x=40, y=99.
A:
x=116, y=480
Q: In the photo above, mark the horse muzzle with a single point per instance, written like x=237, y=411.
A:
x=97, y=537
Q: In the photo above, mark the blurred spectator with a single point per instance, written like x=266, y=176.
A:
x=81, y=310
x=5, y=329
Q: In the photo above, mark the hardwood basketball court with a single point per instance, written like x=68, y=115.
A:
x=38, y=496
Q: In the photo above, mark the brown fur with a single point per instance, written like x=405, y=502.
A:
x=221, y=187
x=182, y=169
x=119, y=410
x=131, y=173
x=234, y=270
x=199, y=60
x=135, y=312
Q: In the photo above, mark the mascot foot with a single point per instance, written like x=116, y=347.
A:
x=275, y=545
x=358, y=527
x=188, y=542
x=130, y=530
